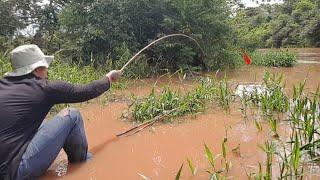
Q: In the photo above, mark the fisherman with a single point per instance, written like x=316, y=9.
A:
x=28, y=143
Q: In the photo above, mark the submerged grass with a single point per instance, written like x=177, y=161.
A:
x=302, y=112
x=274, y=58
x=209, y=90
x=294, y=152
x=273, y=99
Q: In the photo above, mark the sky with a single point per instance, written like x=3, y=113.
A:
x=252, y=3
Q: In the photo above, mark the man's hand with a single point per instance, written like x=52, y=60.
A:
x=114, y=75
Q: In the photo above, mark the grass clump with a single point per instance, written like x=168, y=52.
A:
x=300, y=149
x=272, y=99
x=209, y=90
x=279, y=58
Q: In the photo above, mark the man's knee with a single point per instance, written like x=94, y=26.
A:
x=73, y=113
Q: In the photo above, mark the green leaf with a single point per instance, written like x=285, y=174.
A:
x=191, y=166
x=224, y=149
x=179, y=173
x=209, y=155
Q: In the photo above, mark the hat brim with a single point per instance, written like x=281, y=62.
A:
x=45, y=62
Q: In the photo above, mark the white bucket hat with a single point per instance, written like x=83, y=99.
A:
x=26, y=58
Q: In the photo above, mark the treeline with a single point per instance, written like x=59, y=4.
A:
x=109, y=31
x=294, y=23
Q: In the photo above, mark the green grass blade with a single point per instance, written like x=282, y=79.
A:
x=179, y=173
x=209, y=155
x=191, y=166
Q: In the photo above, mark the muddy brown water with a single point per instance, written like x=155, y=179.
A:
x=158, y=152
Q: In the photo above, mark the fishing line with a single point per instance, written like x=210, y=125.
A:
x=160, y=39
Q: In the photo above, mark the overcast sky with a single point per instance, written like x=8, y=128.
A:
x=252, y=3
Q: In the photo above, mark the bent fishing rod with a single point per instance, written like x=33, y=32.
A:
x=138, y=128
x=156, y=41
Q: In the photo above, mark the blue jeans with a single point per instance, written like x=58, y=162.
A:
x=65, y=130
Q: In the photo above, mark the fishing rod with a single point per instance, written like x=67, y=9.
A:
x=146, y=124
x=157, y=40
x=146, y=47
x=139, y=127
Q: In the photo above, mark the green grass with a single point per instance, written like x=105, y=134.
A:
x=302, y=112
x=208, y=91
x=273, y=98
x=4, y=65
x=274, y=58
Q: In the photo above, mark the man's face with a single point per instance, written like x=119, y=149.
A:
x=41, y=72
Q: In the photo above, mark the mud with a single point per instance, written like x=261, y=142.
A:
x=158, y=152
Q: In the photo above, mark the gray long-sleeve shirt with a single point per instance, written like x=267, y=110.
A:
x=24, y=103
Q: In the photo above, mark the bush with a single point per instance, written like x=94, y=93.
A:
x=273, y=58
x=99, y=29
x=4, y=65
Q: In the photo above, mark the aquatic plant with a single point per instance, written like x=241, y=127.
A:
x=191, y=102
x=224, y=95
x=191, y=166
x=273, y=99
x=258, y=125
x=269, y=149
x=179, y=172
x=214, y=174
x=280, y=58
x=302, y=113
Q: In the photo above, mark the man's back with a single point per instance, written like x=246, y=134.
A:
x=23, y=107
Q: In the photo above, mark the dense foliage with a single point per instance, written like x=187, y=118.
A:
x=275, y=58
x=100, y=32
x=295, y=23
x=108, y=32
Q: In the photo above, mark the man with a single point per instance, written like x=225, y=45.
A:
x=28, y=145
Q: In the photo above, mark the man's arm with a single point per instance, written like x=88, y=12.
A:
x=63, y=92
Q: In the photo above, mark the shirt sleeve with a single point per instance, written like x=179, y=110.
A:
x=63, y=92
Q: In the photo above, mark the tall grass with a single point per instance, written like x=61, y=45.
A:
x=301, y=147
x=4, y=65
x=274, y=58
x=209, y=90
